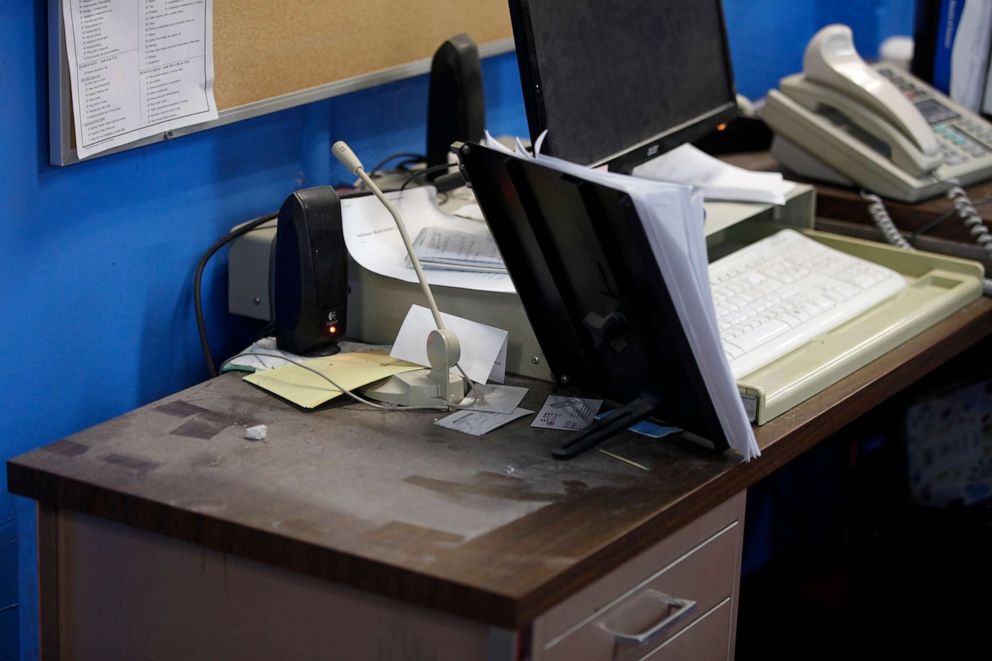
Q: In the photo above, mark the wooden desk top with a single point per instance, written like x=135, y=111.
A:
x=489, y=528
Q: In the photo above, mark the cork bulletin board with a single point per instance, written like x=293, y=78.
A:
x=275, y=54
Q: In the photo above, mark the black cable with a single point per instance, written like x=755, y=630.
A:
x=409, y=157
x=197, y=302
x=267, y=330
x=430, y=170
x=939, y=220
x=933, y=224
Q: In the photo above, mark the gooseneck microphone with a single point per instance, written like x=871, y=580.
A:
x=439, y=388
x=351, y=161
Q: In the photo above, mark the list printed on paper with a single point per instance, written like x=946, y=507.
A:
x=138, y=68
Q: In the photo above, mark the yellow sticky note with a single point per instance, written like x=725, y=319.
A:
x=348, y=370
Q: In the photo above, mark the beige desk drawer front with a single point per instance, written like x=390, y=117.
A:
x=649, y=611
x=707, y=639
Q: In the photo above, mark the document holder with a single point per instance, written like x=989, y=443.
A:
x=936, y=287
x=592, y=290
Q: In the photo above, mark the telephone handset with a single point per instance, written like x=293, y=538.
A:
x=849, y=122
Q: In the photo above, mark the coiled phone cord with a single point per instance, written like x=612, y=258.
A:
x=883, y=221
x=965, y=209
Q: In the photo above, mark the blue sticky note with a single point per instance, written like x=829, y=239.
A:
x=649, y=427
x=653, y=429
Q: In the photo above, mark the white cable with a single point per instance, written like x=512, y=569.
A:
x=350, y=160
x=880, y=216
x=965, y=209
x=385, y=406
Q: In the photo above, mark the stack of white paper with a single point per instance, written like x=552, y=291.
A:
x=716, y=179
x=672, y=217
x=454, y=250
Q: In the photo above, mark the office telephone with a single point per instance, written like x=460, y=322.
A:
x=874, y=126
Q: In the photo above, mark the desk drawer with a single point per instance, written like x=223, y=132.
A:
x=699, y=563
x=707, y=639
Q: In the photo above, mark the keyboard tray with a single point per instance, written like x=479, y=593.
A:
x=938, y=286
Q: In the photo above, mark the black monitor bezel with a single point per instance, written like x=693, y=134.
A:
x=632, y=155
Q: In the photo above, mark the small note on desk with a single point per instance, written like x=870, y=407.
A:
x=493, y=398
x=348, y=370
x=572, y=413
x=477, y=423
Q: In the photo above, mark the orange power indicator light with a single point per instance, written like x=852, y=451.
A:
x=332, y=329
x=721, y=127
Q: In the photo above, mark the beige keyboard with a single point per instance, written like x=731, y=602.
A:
x=783, y=291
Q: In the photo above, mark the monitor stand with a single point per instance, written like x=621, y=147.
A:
x=604, y=429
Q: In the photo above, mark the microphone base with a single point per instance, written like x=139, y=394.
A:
x=418, y=389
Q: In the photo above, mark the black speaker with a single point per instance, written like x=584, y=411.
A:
x=456, y=108
x=310, y=274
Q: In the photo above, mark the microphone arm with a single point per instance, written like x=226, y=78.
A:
x=443, y=348
x=348, y=158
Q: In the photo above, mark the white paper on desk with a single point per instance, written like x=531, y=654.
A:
x=461, y=202
x=478, y=423
x=718, y=180
x=493, y=398
x=260, y=356
x=374, y=242
x=573, y=413
x=469, y=211
x=138, y=69
x=483, y=347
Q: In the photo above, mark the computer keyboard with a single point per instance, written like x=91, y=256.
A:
x=781, y=292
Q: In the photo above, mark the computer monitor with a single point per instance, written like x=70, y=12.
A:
x=620, y=82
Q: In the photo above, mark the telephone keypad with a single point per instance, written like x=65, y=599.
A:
x=958, y=140
x=955, y=145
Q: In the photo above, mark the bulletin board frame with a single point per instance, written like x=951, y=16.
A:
x=409, y=55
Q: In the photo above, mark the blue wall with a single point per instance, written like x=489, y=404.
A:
x=767, y=37
x=97, y=259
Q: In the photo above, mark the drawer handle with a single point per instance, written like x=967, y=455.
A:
x=682, y=609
